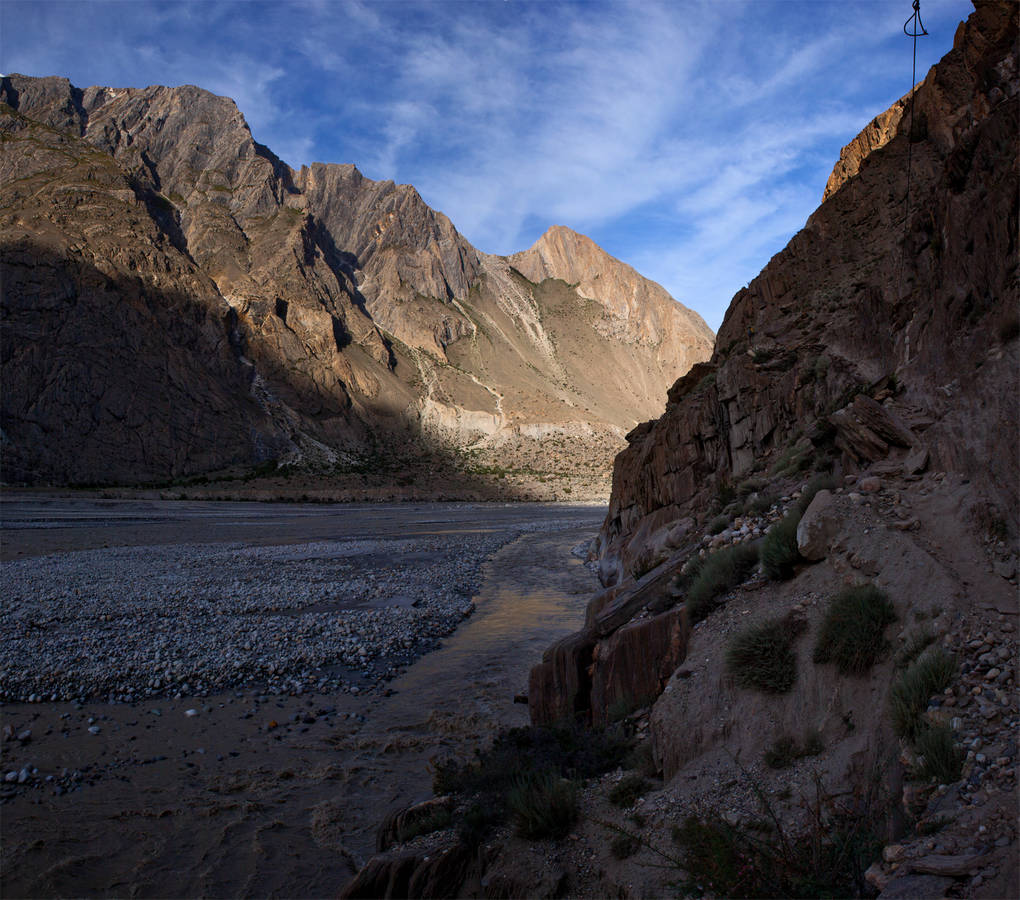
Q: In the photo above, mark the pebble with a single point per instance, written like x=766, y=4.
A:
x=193, y=619
x=94, y=729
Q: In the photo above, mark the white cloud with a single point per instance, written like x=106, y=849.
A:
x=695, y=136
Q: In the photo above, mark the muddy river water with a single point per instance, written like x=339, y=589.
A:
x=270, y=794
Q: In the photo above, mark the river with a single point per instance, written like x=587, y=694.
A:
x=259, y=794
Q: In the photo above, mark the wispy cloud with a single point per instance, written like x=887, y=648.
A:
x=690, y=138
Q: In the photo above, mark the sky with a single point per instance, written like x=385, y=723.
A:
x=689, y=139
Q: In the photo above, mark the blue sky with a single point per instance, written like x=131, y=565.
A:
x=690, y=139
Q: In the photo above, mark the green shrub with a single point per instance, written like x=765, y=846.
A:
x=821, y=482
x=931, y=673
x=761, y=656
x=628, y=789
x=943, y=760
x=782, y=754
x=718, y=524
x=812, y=744
x=828, y=858
x=624, y=846
x=542, y=806
x=916, y=643
x=779, y=551
x=721, y=571
x=759, y=504
x=785, y=751
x=568, y=750
x=642, y=759
x=851, y=635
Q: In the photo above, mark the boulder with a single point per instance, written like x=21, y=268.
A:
x=631, y=667
x=818, y=526
x=437, y=872
x=558, y=687
x=915, y=887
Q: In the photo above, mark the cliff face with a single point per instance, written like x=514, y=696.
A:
x=856, y=427
x=313, y=312
x=868, y=296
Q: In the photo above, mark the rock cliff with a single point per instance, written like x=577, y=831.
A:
x=854, y=431
x=304, y=317
x=917, y=307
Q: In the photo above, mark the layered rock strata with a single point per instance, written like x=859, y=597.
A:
x=289, y=315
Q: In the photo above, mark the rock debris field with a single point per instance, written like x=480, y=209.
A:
x=128, y=623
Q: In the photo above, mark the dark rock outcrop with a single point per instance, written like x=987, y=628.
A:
x=917, y=307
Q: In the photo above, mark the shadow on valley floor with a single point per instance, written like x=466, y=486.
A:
x=122, y=383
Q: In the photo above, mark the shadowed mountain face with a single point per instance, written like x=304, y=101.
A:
x=176, y=300
x=881, y=335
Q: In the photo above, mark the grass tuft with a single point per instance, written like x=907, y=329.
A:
x=779, y=553
x=851, y=635
x=720, y=572
x=943, y=760
x=542, y=806
x=624, y=846
x=628, y=789
x=931, y=673
x=917, y=643
x=761, y=656
x=826, y=859
x=785, y=751
x=718, y=524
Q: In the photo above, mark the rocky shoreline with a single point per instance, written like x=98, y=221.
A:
x=128, y=623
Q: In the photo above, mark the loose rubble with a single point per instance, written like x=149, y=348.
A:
x=130, y=623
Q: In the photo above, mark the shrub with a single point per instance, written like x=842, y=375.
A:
x=628, y=789
x=851, y=635
x=718, y=524
x=624, y=846
x=542, y=806
x=569, y=750
x=761, y=656
x=759, y=504
x=812, y=744
x=785, y=751
x=822, y=482
x=931, y=673
x=826, y=859
x=915, y=645
x=779, y=551
x=720, y=572
x=943, y=760
x=782, y=753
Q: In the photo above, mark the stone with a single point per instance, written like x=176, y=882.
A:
x=558, y=686
x=631, y=667
x=915, y=887
x=870, y=484
x=817, y=527
x=1005, y=568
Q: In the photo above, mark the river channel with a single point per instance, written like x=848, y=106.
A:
x=270, y=794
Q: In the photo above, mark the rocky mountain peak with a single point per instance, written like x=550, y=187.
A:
x=344, y=310
x=640, y=310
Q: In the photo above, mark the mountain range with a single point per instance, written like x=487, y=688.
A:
x=177, y=301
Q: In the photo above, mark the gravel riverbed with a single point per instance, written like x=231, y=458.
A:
x=129, y=623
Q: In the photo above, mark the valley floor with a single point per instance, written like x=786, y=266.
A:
x=267, y=756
